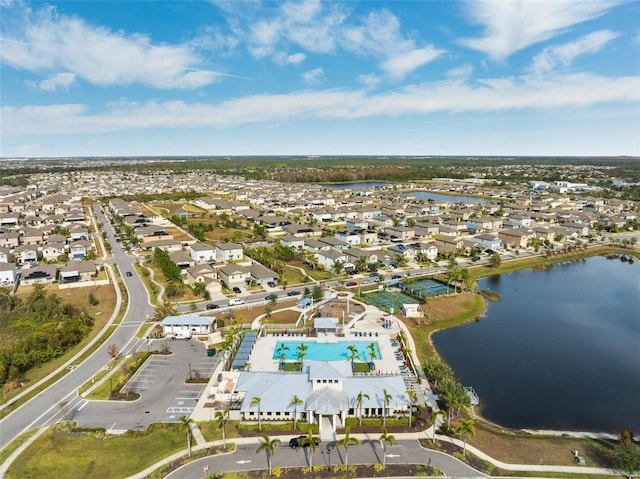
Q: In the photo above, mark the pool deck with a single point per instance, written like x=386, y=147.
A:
x=365, y=329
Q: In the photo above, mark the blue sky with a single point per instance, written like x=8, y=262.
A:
x=103, y=78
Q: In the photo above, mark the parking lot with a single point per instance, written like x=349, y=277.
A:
x=165, y=395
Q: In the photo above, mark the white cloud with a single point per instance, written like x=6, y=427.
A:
x=54, y=42
x=564, y=55
x=54, y=82
x=498, y=94
x=463, y=71
x=398, y=66
x=314, y=77
x=369, y=80
x=511, y=26
x=282, y=58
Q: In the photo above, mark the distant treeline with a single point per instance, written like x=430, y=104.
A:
x=36, y=330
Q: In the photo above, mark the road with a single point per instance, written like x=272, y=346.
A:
x=246, y=457
x=61, y=398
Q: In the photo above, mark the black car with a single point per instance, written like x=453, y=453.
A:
x=129, y=273
x=237, y=290
x=212, y=306
x=270, y=297
x=297, y=441
x=271, y=284
x=294, y=293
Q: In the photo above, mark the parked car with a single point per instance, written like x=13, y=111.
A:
x=129, y=273
x=212, y=306
x=270, y=297
x=352, y=283
x=236, y=301
x=237, y=290
x=271, y=284
x=294, y=293
x=297, y=441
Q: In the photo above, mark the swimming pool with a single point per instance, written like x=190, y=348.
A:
x=326, y=351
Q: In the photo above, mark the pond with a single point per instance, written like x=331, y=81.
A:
x=560, y=351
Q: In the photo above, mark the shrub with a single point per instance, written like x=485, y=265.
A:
x=378, y=467
x=276, y=471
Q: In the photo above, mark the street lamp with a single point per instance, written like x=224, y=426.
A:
x=189, y=370
x=110, y=387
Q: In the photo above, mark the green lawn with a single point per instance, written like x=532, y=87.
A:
x=61, y=453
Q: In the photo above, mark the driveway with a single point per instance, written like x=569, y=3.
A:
x=164, y=394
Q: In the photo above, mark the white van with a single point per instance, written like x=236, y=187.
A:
x=236, y=301
x=181, y=335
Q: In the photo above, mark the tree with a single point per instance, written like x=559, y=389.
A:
x=496, y=260
x=302, y=352
x=337, y=267
x=316, y=293
x=312, y=442
x=295, y=400
x=359, y=399
x=255, y=401
x=372, y=351
x=185, y=423
x=627, y=459
x=413, y=398
x=361, y=263
x=437, y=371
x=626, y=435
x=167, y=308
x=433, y=418
x=221, y=417
x=465, y=429
x=385, y=439
x=281, y=354
x=387, y=398
x=269, y=446
x=345, y=442
x=353, y=354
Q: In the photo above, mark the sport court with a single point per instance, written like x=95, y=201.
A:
x=426, y=287
x=386, y=300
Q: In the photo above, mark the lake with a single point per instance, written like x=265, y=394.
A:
x=426, y=195
x=560, y=351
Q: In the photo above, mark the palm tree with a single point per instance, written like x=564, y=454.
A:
x=337, y=267
x=387, y=398
x=433, y=418
x=345, y=442
x=353, y=354
x=269, y=446
x=311, y=441
x=295, y=400
x=359, y=399
x=465, y=429
x=413, y=398
x=281, y=354
x=302, y=352
x=255, y=401
x=372, y=351
x=185, y=423
x=361, y=263
x=221, y=417
x=384, y=440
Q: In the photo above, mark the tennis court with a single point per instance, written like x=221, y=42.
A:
x=426, y=287
x=386, y=300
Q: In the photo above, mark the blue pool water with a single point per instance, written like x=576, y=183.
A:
x=327, y=351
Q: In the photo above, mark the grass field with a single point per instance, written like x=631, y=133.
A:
x=61, y=453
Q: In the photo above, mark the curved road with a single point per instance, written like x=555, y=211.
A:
x=45, y=408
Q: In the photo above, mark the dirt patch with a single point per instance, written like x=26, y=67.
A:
x=338, y=308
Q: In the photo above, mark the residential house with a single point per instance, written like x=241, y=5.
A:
x=5, y=255
x=78, y=271
x=356, y=223
x=401, y=233
x=153, y=233
x=333, y=242
x=349, y=237
x=290, y=241
x=519, y=237
x=79, y=233
x=10, y=239
x=202, y=253
x=262, y=275
x=233, y=275
x=328, y=258
x=449, y=244
x=31, y=236
x=430, y=250
x=354, y=254
x=182, y=259
x=226, y=252
x=79, y=249
x=51, y=252
x=489, y=241
x=165, y=244
x=26, y=254
x=201, y=273
x=41, y=274
x=8, y=274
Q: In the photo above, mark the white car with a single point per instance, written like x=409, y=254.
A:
x=236, y=301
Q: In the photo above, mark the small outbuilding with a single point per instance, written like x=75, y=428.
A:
x=190, y=322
